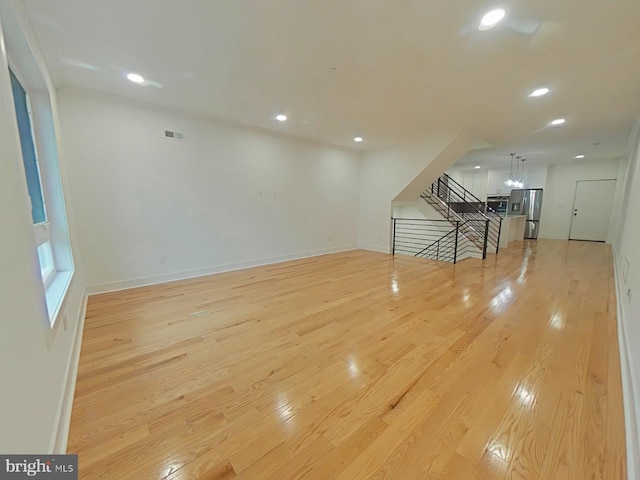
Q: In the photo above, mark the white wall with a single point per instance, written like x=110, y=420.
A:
x=559, y=193
x=150, y=208
x=420, y=209
x=408, y=210
x=34, y=359
x=401, y=174
x=628, y=283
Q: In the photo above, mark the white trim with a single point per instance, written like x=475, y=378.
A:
x=42, y=231
x=47, y=276
x=55, y=294
x=375, y=248
x=629, y=386
x=201, y=272
x=554, y=237
x=61, y=431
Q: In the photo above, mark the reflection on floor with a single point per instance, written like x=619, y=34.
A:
x=359, y=365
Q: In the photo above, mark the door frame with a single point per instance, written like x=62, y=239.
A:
x=573, y=208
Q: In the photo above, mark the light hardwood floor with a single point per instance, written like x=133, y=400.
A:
x=359, y=365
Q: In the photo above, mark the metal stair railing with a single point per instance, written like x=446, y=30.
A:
x=456, y=203
x=436, y=239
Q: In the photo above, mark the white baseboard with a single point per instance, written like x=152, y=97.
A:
x=66, y=404
x=375, y=248
x=629, y=386
x=202, y=272
x=554, y=237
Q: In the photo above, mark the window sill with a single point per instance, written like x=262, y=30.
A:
x=55, y=293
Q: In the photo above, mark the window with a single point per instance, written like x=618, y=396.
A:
x=37, y=132
x=34, y=179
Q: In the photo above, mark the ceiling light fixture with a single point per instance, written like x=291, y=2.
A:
x=358, y=139
x=558, y=121
x=136, y=78
x=492, y=18
x=539, y=92
x=477, y=167
x=517, y=180
x=579, y=156
x=281, y=118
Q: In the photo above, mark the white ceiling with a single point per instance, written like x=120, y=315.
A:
x=388, y=70
x=603, y=144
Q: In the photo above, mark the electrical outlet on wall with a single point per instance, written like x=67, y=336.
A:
x=330, y=238
x=162, y=259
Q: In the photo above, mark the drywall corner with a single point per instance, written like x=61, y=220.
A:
x=459, y=145
x=631, y=398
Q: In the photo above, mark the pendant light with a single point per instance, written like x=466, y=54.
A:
x=509, y=182
x=516, y=175
x=521, y=180
x=517, y=180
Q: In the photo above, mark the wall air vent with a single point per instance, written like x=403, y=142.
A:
x=173, y=135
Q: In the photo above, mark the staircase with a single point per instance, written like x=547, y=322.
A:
x=469, y=227
x=454, y=202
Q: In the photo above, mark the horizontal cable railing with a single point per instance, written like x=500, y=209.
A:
x=441, y=240
x=455, y=203
x=411, y=236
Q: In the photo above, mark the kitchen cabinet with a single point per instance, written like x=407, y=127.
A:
x=491, y=182
x=513, y=228
x=479, y=186
x=495, y=184
x=496, y=179
x=476, y=183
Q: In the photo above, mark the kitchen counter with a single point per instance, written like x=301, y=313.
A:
x=513, y=227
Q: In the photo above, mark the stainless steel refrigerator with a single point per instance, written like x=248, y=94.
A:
x=527, y=202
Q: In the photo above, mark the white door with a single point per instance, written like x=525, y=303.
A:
x=592, y=210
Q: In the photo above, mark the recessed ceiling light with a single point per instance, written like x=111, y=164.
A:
x=579, y=156
x=492, y=18
x=539, y=92
x=558, y=121
x=135, y=78
x=477, y=167
x=281, y=117
x=358, y=139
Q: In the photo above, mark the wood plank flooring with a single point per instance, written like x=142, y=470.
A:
x=359, y=365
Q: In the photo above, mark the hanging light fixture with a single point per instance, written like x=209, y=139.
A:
x=519, y=182
x=516, y=178
x=510, y=182
x=516, y=182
